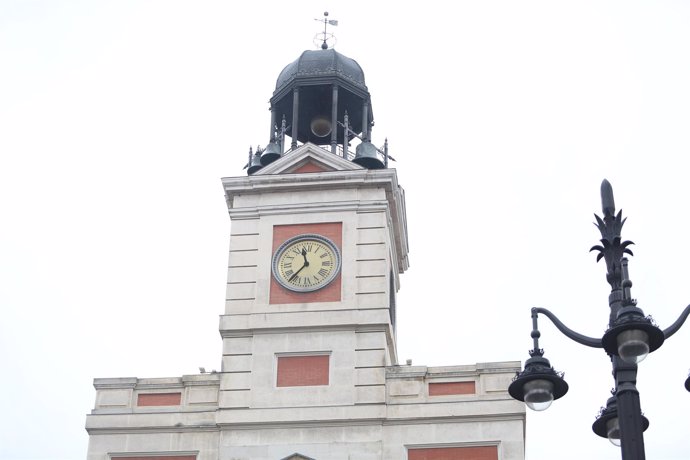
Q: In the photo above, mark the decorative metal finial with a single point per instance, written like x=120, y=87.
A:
x=608, y=206
x=324, y=36
x=612, y=248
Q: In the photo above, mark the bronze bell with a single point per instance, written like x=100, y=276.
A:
x=255, y=164
x=270, y=154
x=321, y=126
x=366, y=155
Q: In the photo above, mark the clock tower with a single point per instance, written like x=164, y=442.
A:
x=310, y=368
x=316, y=249
x=318, y=242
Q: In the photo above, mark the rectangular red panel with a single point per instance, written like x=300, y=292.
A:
x=451, y=388
x=331, y=293
x=297, y=371
x=159, y=399
x=454, y=453
x=158, y=457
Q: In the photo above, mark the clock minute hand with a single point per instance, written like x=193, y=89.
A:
x=295, y=274
x=306, y=264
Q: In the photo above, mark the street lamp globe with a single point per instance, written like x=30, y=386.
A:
x=538, y=394
x=538, y=385
x=632, y=336
x=633, y=345
x=613, y=431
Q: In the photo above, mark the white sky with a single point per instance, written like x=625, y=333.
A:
x=117, y=120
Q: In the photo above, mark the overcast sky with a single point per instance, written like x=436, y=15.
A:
x=118, y=119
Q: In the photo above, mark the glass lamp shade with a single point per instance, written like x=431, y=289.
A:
x=613, y=431
x=633, y=345
x=538, y=394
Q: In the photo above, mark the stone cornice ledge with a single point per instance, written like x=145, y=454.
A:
x=373, y=327
x=148, y=410
x=386, y=178
x=471, y=370
x=320, y=207
x=153, y=429
x=117, y=383
x=125, y=383
x=456, y=419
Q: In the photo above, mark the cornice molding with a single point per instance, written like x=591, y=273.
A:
x=432, y=373
x=241, y=332
x=153, y=429
x=244, y=185
x=176, y=383
x=275, y=210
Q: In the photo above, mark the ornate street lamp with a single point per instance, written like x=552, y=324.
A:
x=630, y=337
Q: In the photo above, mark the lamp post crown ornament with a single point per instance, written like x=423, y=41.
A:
x=612, y=248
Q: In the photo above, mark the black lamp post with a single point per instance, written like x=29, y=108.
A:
x=629, y=338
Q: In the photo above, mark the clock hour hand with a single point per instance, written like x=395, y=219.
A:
x=304, y=254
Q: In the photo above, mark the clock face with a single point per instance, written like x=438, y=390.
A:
x=306, y=263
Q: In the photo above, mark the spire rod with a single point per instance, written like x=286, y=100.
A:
x=326, y=22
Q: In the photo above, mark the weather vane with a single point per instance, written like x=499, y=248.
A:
x=324, y=38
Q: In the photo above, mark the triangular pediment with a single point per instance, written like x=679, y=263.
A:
x=308, y=158
x=297, y=457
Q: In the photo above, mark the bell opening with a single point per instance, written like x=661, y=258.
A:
x=321, y=126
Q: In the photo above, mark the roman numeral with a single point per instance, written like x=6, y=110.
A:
x=326, y=263
x=288, y=272
x=323, y=272
x=325, y=254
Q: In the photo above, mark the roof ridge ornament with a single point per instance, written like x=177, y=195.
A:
x=325, y=39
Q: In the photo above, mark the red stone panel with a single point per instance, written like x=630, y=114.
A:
x=308, y=167
x=297, y=371
x=159, y=399
x=451, y=388
x=331, y=293
x=157, y=457
x=454, y=453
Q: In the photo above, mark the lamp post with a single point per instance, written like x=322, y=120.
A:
x=630, y=337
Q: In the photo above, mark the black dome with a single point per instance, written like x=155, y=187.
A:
x=321, y=63
x=318, y=89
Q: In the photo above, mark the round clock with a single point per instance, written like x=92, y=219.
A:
x=305, y=263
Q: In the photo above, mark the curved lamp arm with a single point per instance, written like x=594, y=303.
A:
x=673, y=328
x=577, y=337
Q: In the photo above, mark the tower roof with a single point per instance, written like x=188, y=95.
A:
x=321, y=63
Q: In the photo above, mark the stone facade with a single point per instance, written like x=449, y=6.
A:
x=344, y=395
